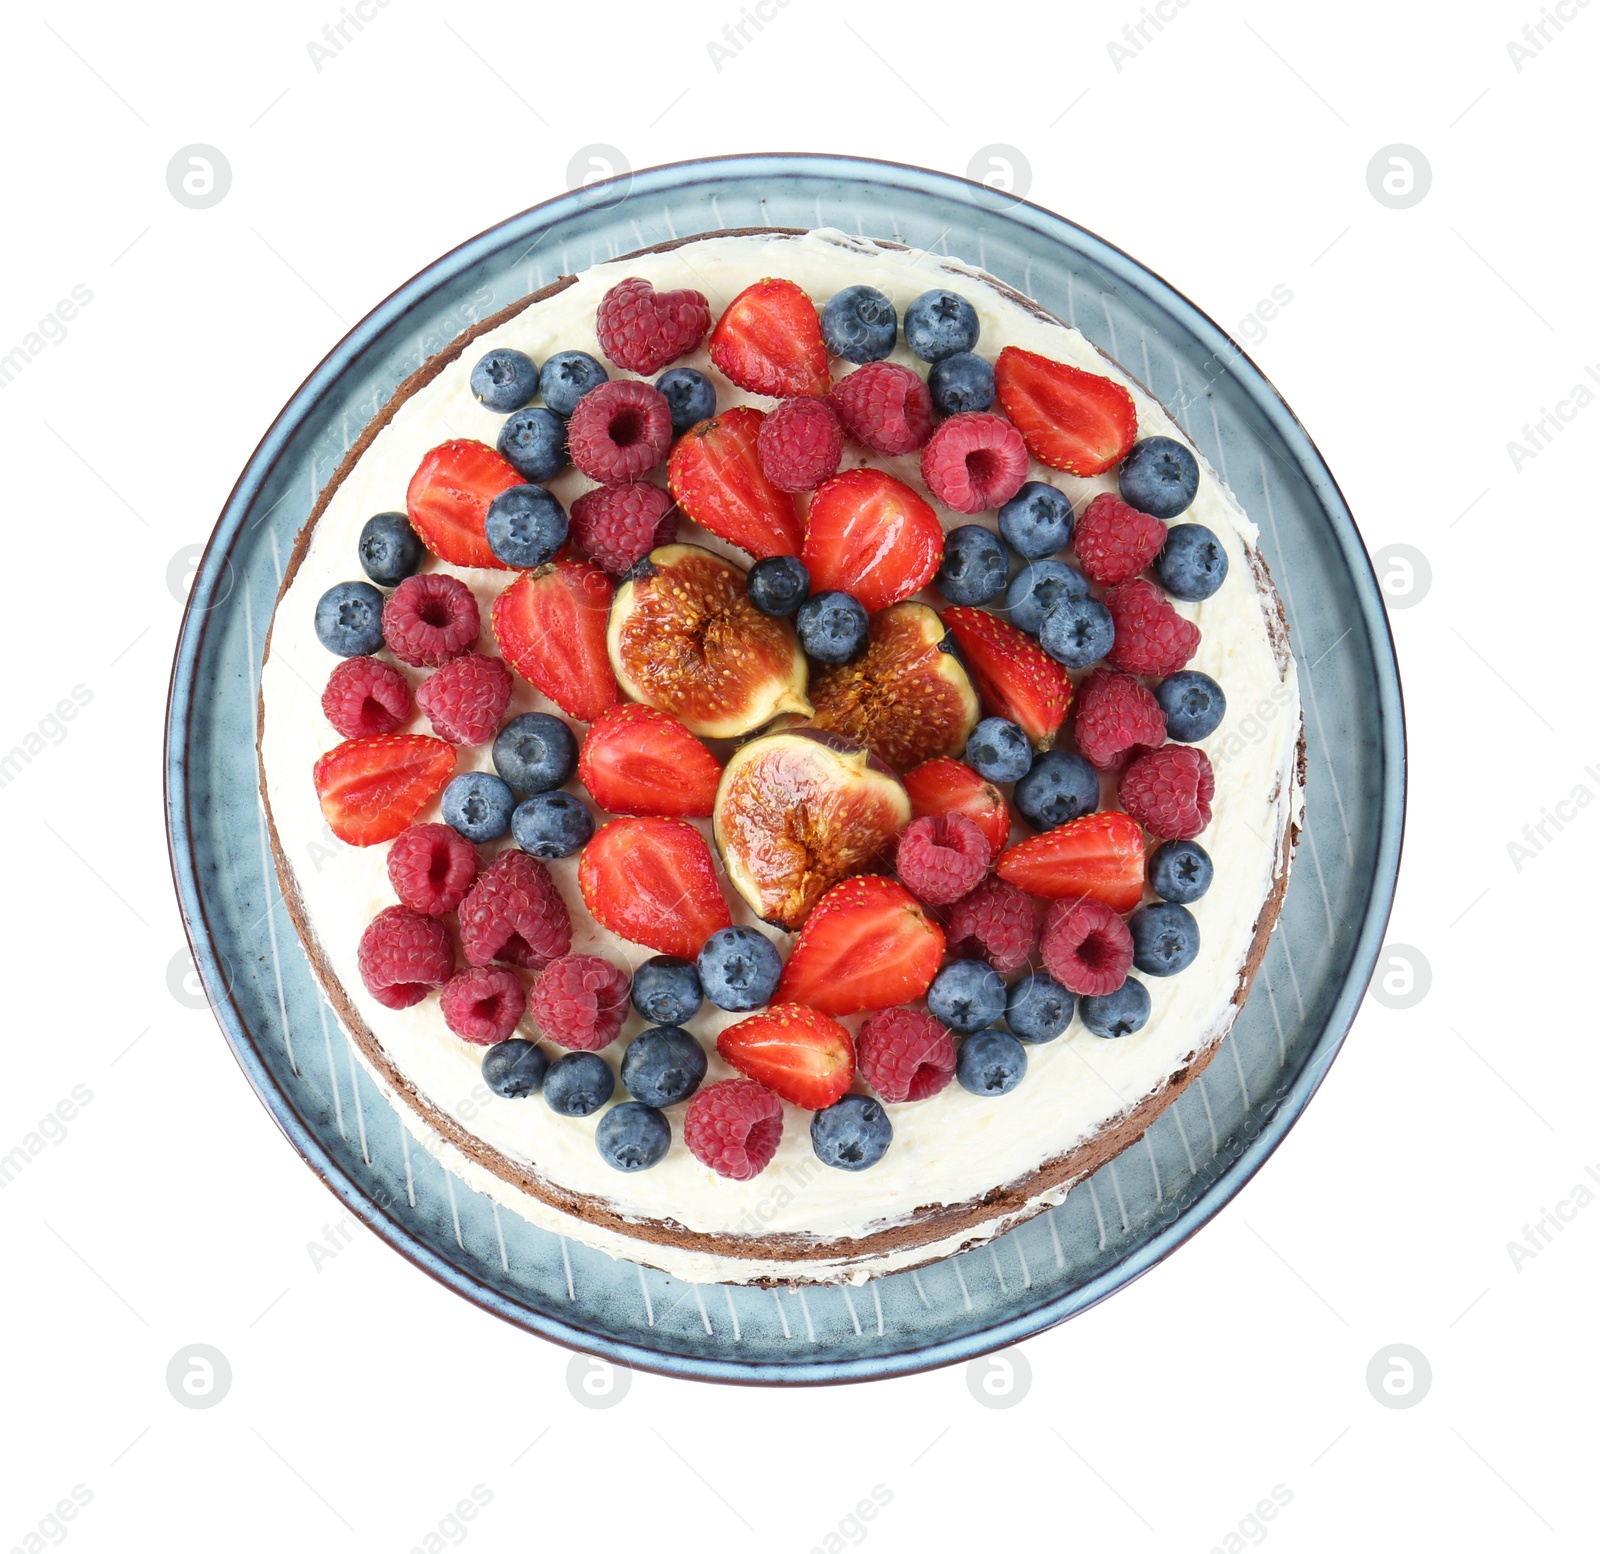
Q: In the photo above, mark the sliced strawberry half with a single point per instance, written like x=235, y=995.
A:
x=1070, y=419
x=372, y=788
x=799, y=1054
x=866, y=945
x=551, y=628
x=651, y=880
x=769, y=341
x=637, y=760
x=449, y=496
x=715, y=476
x=950, y=787
x=1100, y=856
x=871, y=535
x=1015, y=677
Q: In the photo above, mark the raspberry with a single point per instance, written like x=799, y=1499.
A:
x=1152, y=638
x=975, y=461
x=431, y=868
x=580, y=1001
x=403, y=956
x=617, y=526
x=366, y=696
x=997, y=923
x=942, y=857
x=483, y=1004
x=514, y=914
x=620, y=431
x=885, y=407
x=466, y=698
x=1116, y=542
x=1086, y=947
x=800, y=443
x=1113, y=714
x=1169, y=791
x=905, y=1054
x=429, y=619
x=642, y=329
x=734, y=1126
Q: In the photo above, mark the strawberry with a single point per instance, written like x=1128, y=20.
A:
x=869, y=535
x=551, y=627
x=1070, y=419
x=801, y=1055
x=371, y=789
x=769, y=341
x=652, y=880
x=1100, y=856
x=449, y=496
x=715, y=475
x=947, y=787
x=866, y=945
x=639, y=761
x=1014, y=676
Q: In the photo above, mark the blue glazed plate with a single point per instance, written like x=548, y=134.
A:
x=1111, y=1228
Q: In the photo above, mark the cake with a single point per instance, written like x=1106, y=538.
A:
x=810, y=787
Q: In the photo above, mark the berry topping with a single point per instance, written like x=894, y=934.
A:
x=633, y=1137
x=1101, y=856
x=905, y=1054
x=1180, y=871
x=859, y=324
x=642, y=329
x=832, y=627
x=997, y=923
x=1116, y=542
x=1038, y=588
x=851, y=1135
x=1169, y=791
x=739, y=968
x=1118, y=1013
x=466, y=698
x=1193, y=704
x=716, y=476
x=666, y=990
x=430, y=619
x=566, y=377
x=616, y=527
x=798, y=1053
x=1070, y=419
x=449, y=496
x=637, y=760
x=946, y=786
x=389, y=549
x=1060, y=786
x=939, y=324
x=580, y=1001
x=1038, y=1008
x=578, y=1084
x=551, y=825
x=478, y=805
x=534, y=753
x=525, y=527
x=620, y=431
x=1113, y=714
x=1037, y=521
x=514, y=914
x=691, y=397
x=483, y=1004
x=349, y=620
x=533, y=442
x=1192, y=565
x=974, y=567
x=1151, y=637
x=769, y=341
x=999, y=750
x=1077, y=632
x=365, y=696
x=651, y=880
x=967, y=995
x=872, y=536
x=504, y=379
x=884, y=407
x=974, y=462
x=733, y=1127
x=514, y=1068
x=403, y=956
x=663, y=1066
x=800, y=443
x=431, y=868
x=1166, y=938
x=940, y=860
x=961, y=383
x=372, y=789
x=1085, y=946
x=1159, y=476
x=779, y=585
x=1014, y=677
x=991, y=1063
x=551, y=628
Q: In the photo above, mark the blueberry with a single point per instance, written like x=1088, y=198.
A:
x=663, y=1066
x=1166, y=938
x=975, y=565
x=778, y=585
x=1192, y=564
x=534, y=441
x=525, y=526
x=939, y=324
x=1060, y=786
x=991, y=1063
x=535, y=753
x=739, y=968
x=1038, y=588
x=578, y=1083
x=999, y=750
x=859, y=325
x=1194, y=705
x=389, y=549
x=666, y=990
x=1038, y=1008
x=551, y=825
x=852, y=1134
x=1037, y=521
x=960, y=383
x=478, y=805
x=1117, y=1014
x=349, y=619
x=632, y=1136
x=967, y=995
x=691, y=397
x=1159, y=477
x=505, y=380
x=1180, y=871
x=1077, y=632
x=567, y=377
x=832, y=627
x=515, y=1068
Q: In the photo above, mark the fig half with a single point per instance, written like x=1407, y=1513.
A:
x=799, y=811
x=684, y=637
x=905, y=698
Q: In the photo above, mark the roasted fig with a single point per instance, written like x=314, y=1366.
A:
x=684, y=637
x=905, y=699
x=799, y=811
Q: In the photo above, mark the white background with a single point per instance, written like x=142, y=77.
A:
x=1229, y=154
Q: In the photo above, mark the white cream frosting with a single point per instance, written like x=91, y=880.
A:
x=947, y=1150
